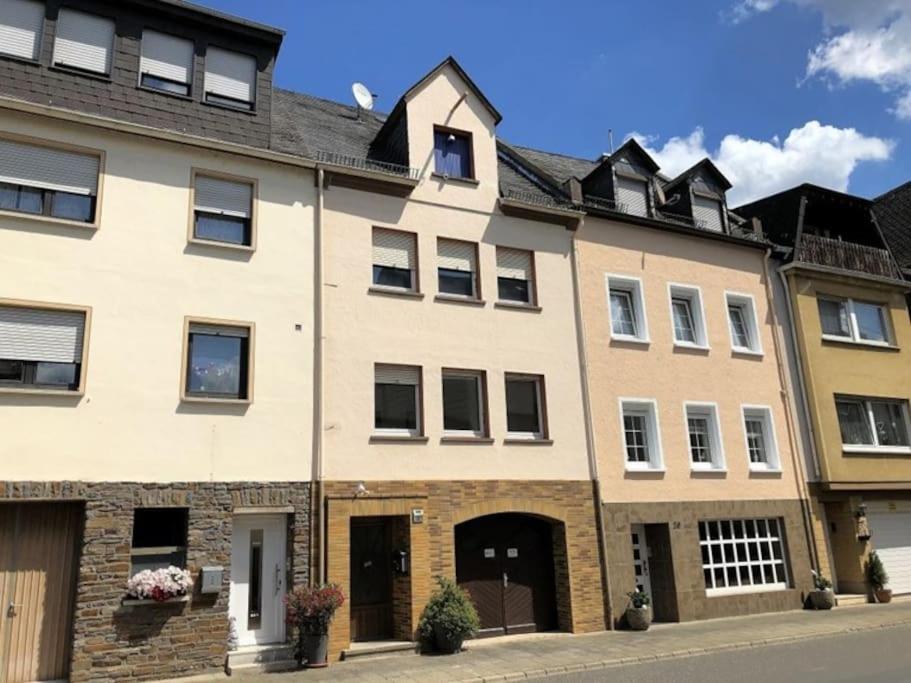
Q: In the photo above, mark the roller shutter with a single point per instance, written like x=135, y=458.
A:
x=84, y=41
x=21, y=24
x=33, y=334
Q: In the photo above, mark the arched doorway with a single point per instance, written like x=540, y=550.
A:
x=506, y=563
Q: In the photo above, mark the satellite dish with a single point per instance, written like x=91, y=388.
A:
x=362, y=96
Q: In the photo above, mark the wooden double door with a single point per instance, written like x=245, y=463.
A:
x=506, y=563
x=39, y=550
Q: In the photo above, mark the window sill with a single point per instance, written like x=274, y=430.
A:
x=219, y=401
x=41, y=218
x=141, y=602
x=20, y=60
x=62, y=393
x=877, y=450
x=747, y=352
x=645, y=470
x=686, y=346
x=708, y=470
x=62, y=68
x=227, y=107
x=389, y=291
x=246, y=248
x=466, y=439
x=624, y=339
x=760, y=469
x=741, y=590
x=397, y=438
x=864, y=344
x=166, y=93
x=455, y=179
x=516, y=306
x=518, y=441
x=455, y=299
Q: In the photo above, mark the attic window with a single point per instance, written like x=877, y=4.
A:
x=452, y=153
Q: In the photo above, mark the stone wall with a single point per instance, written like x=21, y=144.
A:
x=112, y=642
x=681, y=520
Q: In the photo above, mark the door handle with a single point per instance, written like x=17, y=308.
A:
x=278, y=579
x=505, y=579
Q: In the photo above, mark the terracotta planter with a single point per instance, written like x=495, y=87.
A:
x=638, y=618
x=315, y=649
x=824, y=599
x=883, y=595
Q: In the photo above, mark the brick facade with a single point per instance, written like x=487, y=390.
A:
x=569, y=504
x=113, y=642
x=681, y=569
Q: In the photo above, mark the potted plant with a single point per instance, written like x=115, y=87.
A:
x=878, y=578
x=310, y=609
x=638, y=614
x=822, y=597
x=159, y=585
x=449, y=618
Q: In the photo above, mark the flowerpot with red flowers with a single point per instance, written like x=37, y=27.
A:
x=309, y=610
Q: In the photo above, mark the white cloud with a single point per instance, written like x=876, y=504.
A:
x=866, y=40
x=813, y=153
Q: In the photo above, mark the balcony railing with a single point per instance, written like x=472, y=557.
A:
x=544, y=200
x=824, y=251
x=364, y=164
x=603, y=203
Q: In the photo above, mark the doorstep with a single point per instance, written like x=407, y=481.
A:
x=261, y=658
x=378, y=649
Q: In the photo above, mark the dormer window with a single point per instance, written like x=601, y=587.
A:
x=230, y=79
x=452, y=153
x=21, y=22
x=84, y=42
x=632, y=195
x=166, y=63
x=707, y=213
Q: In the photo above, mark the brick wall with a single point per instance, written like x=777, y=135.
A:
x=113, y=642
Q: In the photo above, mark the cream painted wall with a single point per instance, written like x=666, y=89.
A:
x=141, y=278
x=836, y=368
x=671, y=377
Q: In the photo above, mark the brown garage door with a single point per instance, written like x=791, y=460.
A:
x=38, y=557
x=506, y=564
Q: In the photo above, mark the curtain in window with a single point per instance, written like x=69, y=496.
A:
x=451, y=154
x=889, y=421
x=852, y=418
x=833, y=316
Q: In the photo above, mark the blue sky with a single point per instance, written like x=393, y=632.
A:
x=728, y=78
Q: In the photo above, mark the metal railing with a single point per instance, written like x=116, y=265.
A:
x=603, y=203
x=824, y=251
x=546, y=200
x=364, y=164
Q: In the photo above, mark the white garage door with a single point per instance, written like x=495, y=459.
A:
x=892, y=540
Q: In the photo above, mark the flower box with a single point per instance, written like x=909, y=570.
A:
x=137, y=602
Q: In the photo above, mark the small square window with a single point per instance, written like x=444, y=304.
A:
x=230, y=79
x=641, y=439
x=704, y=436
x=525, y=407
x=159, y=539
x=463, y=403
x=397, y=400
x=394, y=259
x=218, y=361
x=457, y=268
x=83, y=41
x=759, y=431
x=687, y=317
x=742, y=324
x=166, y=62
x=626, y=309
x=452, y=153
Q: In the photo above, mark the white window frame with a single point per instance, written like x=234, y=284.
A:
x=418, y=430
x=854, y=336
x=875, y=447
x=757, y=541
x=693, y=294
x=763, y=414
x=633, y=286
x=747, y=304
x=649, y=408
x=708, y=410
x=541, y=433
x=478, y=376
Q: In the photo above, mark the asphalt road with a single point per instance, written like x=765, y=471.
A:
x=879, y=656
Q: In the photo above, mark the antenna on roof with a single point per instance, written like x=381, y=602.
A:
x=610, y=139
x=363, y=97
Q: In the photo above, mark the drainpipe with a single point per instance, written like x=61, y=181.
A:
x=589, y=429
x=790, y=412
x=317, y=494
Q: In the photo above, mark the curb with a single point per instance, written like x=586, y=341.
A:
x=676, y=654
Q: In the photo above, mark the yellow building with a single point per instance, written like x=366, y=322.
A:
x=851, y=333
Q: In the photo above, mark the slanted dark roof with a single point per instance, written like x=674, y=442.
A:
x=692, y=170
x=559, y=167
x=253, y=28
x=639, y=151
x=893, y=213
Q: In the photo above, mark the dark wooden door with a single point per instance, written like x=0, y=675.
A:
x=505, y=562
x=371, y=579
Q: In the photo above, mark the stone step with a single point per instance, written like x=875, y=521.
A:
x=266, y=658
x=846, y=599
x=380, y=649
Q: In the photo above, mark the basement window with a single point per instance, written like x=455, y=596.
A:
x=159, y=539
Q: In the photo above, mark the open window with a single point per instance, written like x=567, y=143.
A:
x=159, y=539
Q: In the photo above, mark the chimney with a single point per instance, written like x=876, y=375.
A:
x=573, y=188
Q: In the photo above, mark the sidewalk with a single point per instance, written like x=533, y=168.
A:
x=534, y=655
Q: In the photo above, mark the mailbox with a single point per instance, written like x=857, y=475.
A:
x=210, y=579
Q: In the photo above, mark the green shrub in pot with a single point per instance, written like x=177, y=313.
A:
x=449, y=618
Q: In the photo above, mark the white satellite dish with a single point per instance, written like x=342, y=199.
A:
x=362, y=96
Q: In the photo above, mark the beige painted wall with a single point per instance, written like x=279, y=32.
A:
x=362, y=329
x=141, y=278
x=658, y=371
x=836, y=368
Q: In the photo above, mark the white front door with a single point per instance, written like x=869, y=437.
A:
x=640, y=559
x=258, y=548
